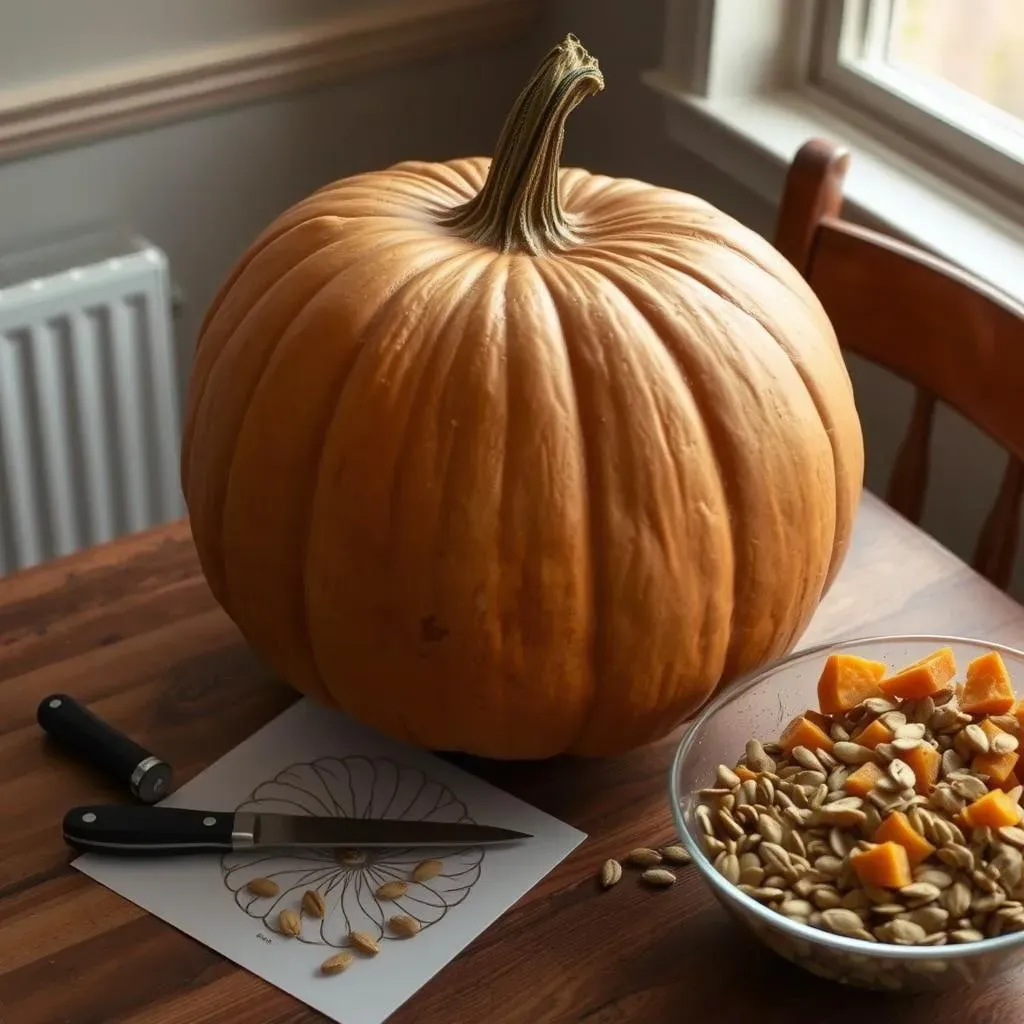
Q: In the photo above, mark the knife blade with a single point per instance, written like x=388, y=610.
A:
x=152, y=831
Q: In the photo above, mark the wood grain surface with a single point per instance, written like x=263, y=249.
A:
x=131, y=629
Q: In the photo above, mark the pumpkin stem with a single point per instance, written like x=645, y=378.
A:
x=518, y=208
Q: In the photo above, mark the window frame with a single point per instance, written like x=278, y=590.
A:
x=842, y=61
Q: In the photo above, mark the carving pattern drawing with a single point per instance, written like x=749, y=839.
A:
x=360, y=787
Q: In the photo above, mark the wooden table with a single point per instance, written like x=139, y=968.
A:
x=131, y=629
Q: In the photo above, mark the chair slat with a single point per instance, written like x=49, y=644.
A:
x=952, y=336
x=909, y=480
x=997, y=543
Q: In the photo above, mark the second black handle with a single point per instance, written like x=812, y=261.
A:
x=84, y=733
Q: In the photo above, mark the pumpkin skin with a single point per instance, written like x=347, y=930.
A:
x=526, y=483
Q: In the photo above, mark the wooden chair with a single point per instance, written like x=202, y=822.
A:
x=955, y=338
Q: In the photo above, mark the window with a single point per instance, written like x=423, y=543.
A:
x=948, y=74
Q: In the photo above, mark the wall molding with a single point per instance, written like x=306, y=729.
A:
x=81, y=108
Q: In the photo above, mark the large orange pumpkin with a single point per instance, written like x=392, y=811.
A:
x=518, y=460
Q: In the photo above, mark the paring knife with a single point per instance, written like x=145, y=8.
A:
x=145, y=830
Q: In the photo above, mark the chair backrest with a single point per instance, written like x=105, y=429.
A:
x=956, y=339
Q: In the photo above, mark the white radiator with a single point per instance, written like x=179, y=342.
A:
x=89, y=403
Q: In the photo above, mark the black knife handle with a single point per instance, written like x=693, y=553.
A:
x=133, y=830
x=80, y=730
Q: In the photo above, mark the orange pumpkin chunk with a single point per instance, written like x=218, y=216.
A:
x=995, y=809
x=988, y=689
x=885, y=866
x=874, y=733
x=990, y=729
x=923, y=677
x=1018, y=712
x=998, y=767
x=802, y=732
x=863, y=780
x=846, y=681
x=897, y=829
x=924, y=759
x=744, y=774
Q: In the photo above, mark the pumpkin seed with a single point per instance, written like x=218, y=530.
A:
x=878, y=705
x=968, y=787
x=796, y=908
x=406, y=927
x=965, y=935
x=886, y=751
x=921, y=892
x=747, y=792
x=611, y=873
x=956, y=855
x=769, y=829
x=753, y=875
x=910, y=730
x=757, y=759
x=1004, y=743
x=703, y=816
x=902, y=774
x=289, y=923
x=365, y=944
x=392, y=890
x=904, y=744
x=976, y=738
x=337, y=963
x=643, y=857
x=427, y=869
x=893, y=720
x=842, y=921
x=1012, y=834
x=933, y=876
x=263, y=887
x=852, y=753
x=1008, y=723
x=662, y=878
x=902, y=933
x=985, y=904
x=730, y=825
x=806, y=759
x=725, y=776
x=825, y=897
x=951, y=762
x=765, y=790
x=766, y=894
x=678, y=855
x=828, y=762
x=727, y=865
x=313, y=903
x=956, y=899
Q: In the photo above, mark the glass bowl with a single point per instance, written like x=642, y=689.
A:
x=760, y=706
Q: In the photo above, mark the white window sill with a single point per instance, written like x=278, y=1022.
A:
x=754, y=138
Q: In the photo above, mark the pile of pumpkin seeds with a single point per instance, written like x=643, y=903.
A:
x=312, y=905
x=655, y=866
x=785, y=836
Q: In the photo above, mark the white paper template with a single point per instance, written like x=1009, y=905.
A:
x=315, y=761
